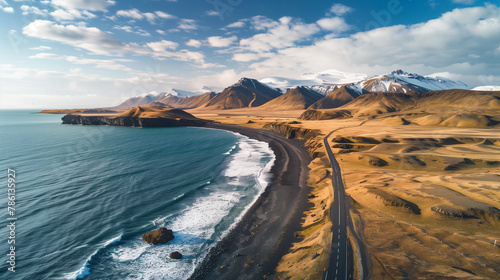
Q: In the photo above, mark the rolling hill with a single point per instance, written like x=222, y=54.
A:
x=455, y=107
x=336, y=98
x=155, y=111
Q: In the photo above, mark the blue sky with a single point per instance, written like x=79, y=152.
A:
x=91, y=53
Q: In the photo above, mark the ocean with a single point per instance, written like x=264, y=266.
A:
x=85, y=195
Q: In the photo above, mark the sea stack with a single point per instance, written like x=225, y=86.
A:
x=159, y=236
x=175, y=255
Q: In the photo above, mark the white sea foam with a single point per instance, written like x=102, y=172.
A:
x=85, y=269
x=195, y=227
x=230, y=150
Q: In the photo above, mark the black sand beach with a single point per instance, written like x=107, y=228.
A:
x=256, y=244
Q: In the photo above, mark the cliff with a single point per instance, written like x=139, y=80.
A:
x=131, y=121
x=312, y=137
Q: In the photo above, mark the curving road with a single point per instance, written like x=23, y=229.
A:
x=338, y=266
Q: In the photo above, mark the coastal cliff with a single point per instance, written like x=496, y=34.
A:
x=312, y=142
x=155, y=115
x=131, y=121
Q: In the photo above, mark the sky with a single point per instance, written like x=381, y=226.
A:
x=97, y=53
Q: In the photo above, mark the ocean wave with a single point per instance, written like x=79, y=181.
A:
x=230, y=150
x=85, y=269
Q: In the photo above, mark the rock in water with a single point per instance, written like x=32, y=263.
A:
x=159, y=236
x=175, y=255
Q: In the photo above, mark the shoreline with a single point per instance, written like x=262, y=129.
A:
x=256, y=244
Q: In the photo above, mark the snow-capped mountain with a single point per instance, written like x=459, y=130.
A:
x=334, y=77
x=400, y=81
x=243, y=93
x=178, y=92
x=322, y=82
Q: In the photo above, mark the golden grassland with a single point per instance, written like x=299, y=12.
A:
x=450, y=174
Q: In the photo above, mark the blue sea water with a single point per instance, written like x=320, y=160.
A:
x=86, y=194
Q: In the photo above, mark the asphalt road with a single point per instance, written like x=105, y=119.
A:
x=338, y=266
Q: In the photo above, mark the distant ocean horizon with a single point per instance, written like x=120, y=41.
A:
x=85, y=195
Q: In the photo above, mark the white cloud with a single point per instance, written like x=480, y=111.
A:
x=138, y=15
x=133, y=13
x=261, y=23
x=212, y=13
x=340, y=10
x=9, y=10
x=209, y=65
x=162, y=45
x=130, y=29
x=161, y=32
x=220, y=42
x=188, y=24
x=47, y=56
x=279, y=34
x=41, y=48
x=33, y=10
x=467, y=2
x=98, y=42
x=245, y=57
x=150, y=17
x=71, y=14
x=89, y=38
x=238, y=24
x=334, y=24
x=91, y=5
x=98, y=63
x=194, y=43
x=164, y=15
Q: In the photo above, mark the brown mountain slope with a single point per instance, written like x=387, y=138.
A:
x=156, y=111
x=383, y=83
x=298, y=98
x=456, y=98
x=456, y=108
x=335, y=99
x=380, y=102
x=245, y=93
x=188, y=102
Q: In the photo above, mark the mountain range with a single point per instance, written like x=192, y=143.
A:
x=325, y=90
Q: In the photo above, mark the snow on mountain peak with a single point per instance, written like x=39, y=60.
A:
x=334, y=77
x=428, y=83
